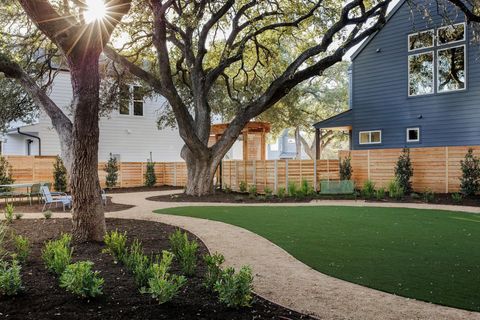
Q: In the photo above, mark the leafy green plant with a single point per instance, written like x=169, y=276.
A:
x=380, y=194
x=395, y=190
x=404, y=171
x=428, y=196
x=281, y=193
x=59, y=175
x=292, y=189
x=214, y=269
x=345, y=169
x=47, y=214
x=3, y=237
x=305, y=188
x=268, y=192
x=5, y=173
x=185, y=251
x=177, y=240
x=242, y=186
x=368, y=190
x=163, y=286
x=10, y=278
x=18, y=216
x=138, y=263
x=227, y=189
x=116, y=244
x=252, y=191
x=150, y=177
x=57, y=254
x=470, y=180
x=235, y=289
x=22, y=247
x=111, y=168
x=457, y=198
x=9, y=209
x=78, y=278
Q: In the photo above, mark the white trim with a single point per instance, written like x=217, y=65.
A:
x=369, y=136
x=432, y=52
x=452, y=42
x=418, y=134
x=417, y=33
x=464, y=69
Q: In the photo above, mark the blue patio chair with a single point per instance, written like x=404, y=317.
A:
x=48, y=199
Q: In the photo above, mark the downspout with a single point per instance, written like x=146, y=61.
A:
x=35, y=137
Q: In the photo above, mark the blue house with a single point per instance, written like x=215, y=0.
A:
x=415, y=83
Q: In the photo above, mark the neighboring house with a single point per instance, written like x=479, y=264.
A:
x=129, y=132
x=284, y=148
x=415, y=83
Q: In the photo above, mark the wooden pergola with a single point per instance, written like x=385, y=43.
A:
x=252, y=132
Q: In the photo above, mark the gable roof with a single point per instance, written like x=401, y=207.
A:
x=370, y=38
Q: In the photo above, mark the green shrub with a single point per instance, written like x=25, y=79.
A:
x=214, y=269
x=18, y=216
x=116, y=244
x=252, y=191
x=235, y=289
x=185, y=251
x=5, y=173
x=380, y=194
x=268, y=192
x=292, y=189
x=22, y=247
x=150, y=177
x=242, y=186
x=428, y=195
x=368, y=190
x=47, y=214
x=395, y=190
x=177, y=240
x=3, y=237
x=139, y=264
x=163, y=286
x=79, y=279
x=9, y=209
x=111, y=168
x=59, y=175
x=281, y=193
x=470, y=180
x=10, y=278
x=457, y=198
x=404, y=171
x=306, y=189
x=227, y=189
x=345, y=169
x=57, y=254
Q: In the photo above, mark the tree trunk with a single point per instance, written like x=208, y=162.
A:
x=298, y=144
x=201, y=173
x=88, y=215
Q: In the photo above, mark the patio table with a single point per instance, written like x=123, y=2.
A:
x=19, y=186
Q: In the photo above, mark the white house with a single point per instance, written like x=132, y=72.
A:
x=130, y=133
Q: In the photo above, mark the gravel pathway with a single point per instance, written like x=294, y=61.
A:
x=280, y=277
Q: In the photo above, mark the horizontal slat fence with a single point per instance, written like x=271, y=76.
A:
x=436, y=168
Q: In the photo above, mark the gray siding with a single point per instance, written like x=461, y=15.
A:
x=380, y=97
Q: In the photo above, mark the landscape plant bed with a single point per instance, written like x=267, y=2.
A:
x=44, y=299
x=142, y=189
x=439, y=198
x=23, y=207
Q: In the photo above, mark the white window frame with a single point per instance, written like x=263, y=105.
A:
x=418, y=135
x=465, y=56
x=433, y=74
x=453, y=42
x=131, y=101
x=416, y=33
x=369, y=136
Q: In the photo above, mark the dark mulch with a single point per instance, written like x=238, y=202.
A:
x=22, y=207
x=44, y=299
x=141, y=189
x=439, y=198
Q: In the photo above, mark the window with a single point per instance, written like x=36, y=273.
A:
x=413, y=134
x=370, y=137
x=450, y=61
x=131, y=100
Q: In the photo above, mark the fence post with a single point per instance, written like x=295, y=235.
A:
x=275, y=176
x=121, y=174
x=446, y=169
x=254, y=173
x=368, y=164
x=286, y=173
x=175, y=174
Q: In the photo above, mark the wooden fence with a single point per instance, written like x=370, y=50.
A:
x=436, y=168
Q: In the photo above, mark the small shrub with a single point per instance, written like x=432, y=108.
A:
x=380, y=194
x=18, y=216
x=79, y=279
x=3, y=236
x=252, y=191
x=10, y=278
x=457, y=198
x=59, y=175
x=235, y=289
x=404, y=171
x=395, y=190
x=5, y=173
x=428, y=195
x=470, y=180
x=306, y=189
x=262, y=198
x=268, y=192
x=177, y=240
x=57, y=254
x=111, y=168
x=185, y=251
x=292, y=189
x=281, y=193
x=242, y=186
x=139, y=264
x=345, y=169
x=163, y=286
x=227, y=189
x=9, y=209
x=368, y=190
x=116, y=244
x=22, y=247
x=47, y=214
x=150, y=177
x=214, y=269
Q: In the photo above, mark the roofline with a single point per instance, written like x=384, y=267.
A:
x=334, y=117
x=370, y=38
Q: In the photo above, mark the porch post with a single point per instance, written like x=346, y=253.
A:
x=318, y=138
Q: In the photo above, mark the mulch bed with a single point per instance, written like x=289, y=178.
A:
x=439, y=198
x=141, y=189
x=44, y=299
x=22, y=207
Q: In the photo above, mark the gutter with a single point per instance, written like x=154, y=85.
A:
x=35, y=137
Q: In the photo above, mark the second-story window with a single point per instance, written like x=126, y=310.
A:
x=437, y=65
x=131, y=100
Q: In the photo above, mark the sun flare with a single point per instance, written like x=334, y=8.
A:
x=96, y=10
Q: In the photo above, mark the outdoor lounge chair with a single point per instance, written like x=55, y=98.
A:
x=48, y=198
x=104, y=197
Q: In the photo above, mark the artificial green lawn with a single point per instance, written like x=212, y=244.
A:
x=428, y=255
